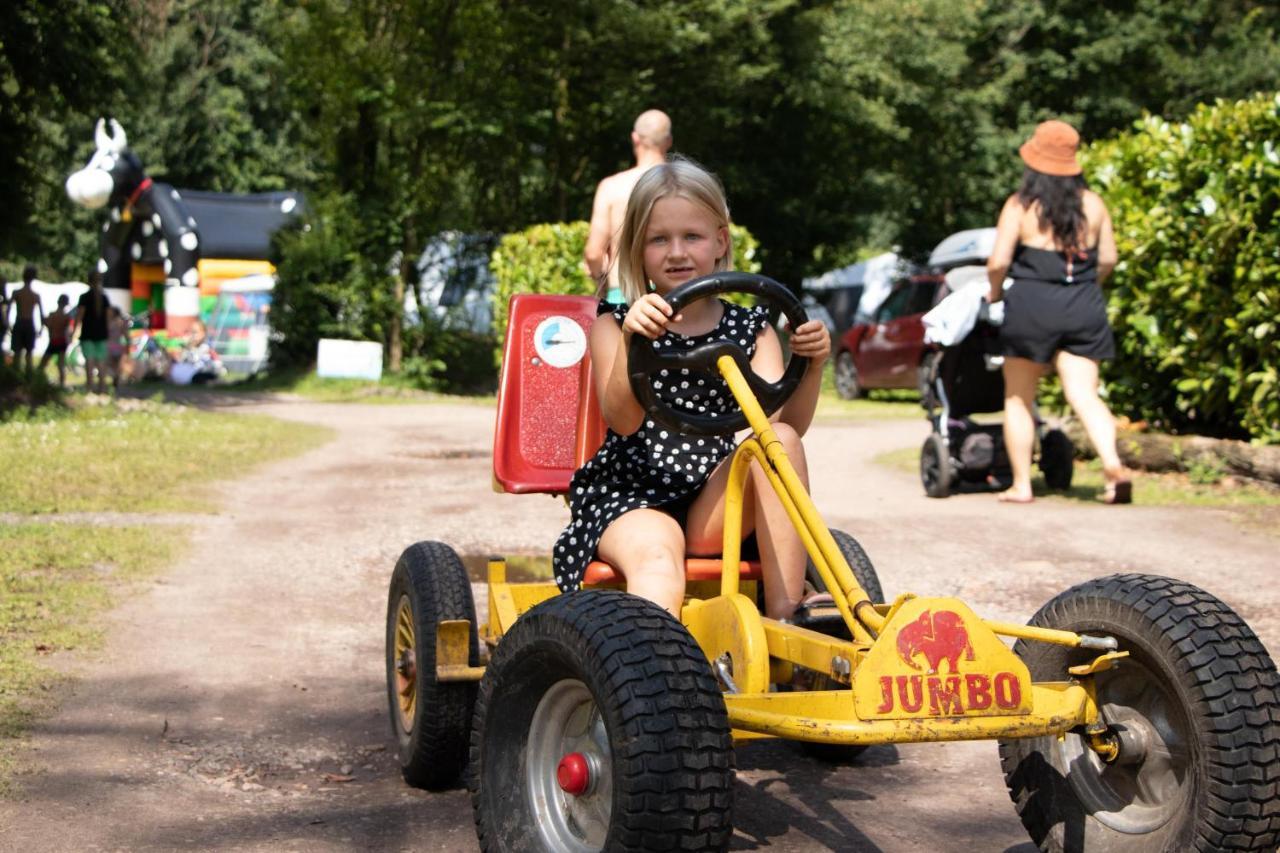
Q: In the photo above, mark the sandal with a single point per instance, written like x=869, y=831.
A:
x=1117, y=492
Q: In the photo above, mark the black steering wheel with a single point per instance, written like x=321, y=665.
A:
x=644, y=360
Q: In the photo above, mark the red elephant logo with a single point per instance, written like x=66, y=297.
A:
x=939, y=637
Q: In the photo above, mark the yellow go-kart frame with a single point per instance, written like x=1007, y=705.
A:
x=1156, y=728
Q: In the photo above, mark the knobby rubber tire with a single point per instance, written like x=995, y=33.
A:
x=858, y=560
x=668, y=730
x=434, y=752
x=865, y=572
x=1225, y=693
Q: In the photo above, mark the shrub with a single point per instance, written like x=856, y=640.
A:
x=547, y=258
x=1196, y=294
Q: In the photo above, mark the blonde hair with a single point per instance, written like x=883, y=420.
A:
x=677, y=178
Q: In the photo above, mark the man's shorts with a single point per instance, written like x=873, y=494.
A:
x=93, y=350
x=24, y=335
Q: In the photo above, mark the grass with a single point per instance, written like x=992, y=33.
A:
x=890, y=403
x=54, y=580
x=326, y=390
x=1149, y=488
x=136, y=457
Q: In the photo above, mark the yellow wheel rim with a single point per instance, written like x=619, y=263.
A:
x=406, y=664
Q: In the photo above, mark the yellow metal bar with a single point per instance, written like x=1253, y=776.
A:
x=822, y=547
x=831, y=656
x=828, y=717
x=453, y=652
x=1030, y=632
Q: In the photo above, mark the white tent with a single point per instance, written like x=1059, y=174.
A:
x=875, y=275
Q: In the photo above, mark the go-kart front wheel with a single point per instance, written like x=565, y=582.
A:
x=599, y=726
x=1194, y=710
x=431, y=720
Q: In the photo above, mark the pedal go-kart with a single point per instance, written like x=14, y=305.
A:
x=1133, y=713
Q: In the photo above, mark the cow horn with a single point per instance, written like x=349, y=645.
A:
x=118, y=139
x=100, y=137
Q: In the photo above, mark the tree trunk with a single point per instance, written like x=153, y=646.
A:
x=1151, y=451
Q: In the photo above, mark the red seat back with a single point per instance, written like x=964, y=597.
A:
x=548, y=420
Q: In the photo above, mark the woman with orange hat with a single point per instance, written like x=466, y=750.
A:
x=1054, y=239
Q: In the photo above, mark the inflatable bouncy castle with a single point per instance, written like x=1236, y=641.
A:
x=168, y=251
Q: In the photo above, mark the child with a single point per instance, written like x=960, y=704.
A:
x=59, y=325
x=649, y=496
x=117, y=343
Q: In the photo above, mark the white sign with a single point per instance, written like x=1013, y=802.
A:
x=559, y=341
x=337, y=359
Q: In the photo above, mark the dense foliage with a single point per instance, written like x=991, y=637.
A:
x=1196, y=294
x=834, y=124
x=547, y=258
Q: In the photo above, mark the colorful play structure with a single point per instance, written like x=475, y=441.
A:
x=171, y=253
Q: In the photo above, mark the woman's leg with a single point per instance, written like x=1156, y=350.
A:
x=782, y=554
x=647, y=546
x=1021, y=377
x=1080, y=384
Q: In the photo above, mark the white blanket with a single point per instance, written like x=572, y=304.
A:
x=955, y=316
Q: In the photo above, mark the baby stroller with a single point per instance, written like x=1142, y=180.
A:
x=961, y=454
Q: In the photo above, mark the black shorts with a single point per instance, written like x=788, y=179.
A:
x=24, y=335
x=1042, y=318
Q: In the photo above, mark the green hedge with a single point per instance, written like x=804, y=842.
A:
x=547, y=258
x=1195, y=300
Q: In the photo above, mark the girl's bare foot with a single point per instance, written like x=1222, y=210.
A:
x=1013, y=496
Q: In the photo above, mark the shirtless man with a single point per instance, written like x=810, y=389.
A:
x=25, y=325
x=650, y=141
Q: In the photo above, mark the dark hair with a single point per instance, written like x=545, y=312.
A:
x=28, y=273
x=1061, y=200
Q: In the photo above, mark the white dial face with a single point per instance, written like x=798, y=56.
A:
x=560, y=342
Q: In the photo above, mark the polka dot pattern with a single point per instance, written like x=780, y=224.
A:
x=654, y=465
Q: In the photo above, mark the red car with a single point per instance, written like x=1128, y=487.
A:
x=887, y=351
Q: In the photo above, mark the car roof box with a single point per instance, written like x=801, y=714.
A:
x=964, y=247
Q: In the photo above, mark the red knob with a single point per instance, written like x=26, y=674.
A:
x=573, y=774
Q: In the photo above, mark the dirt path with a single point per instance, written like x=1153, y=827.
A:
x=239, y=704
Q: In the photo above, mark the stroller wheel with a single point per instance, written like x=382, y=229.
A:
x=1057, y=455
x=935, y=467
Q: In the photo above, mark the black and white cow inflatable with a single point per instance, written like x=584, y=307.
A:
x=152, y=213
x=153, y=223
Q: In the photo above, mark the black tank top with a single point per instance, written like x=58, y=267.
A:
x=1053, y=267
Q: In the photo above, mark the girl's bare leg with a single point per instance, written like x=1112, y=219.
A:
x=647, y=546
x=1021, y=376
x=782, y=554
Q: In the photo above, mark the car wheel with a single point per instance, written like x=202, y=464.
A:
x=846, y=376
x=1194, y=710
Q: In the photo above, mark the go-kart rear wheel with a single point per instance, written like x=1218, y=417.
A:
x=935, y=467
x=1195, y=708
x=431, y=720
x=846, y=376
x=1057, y=459
x=865, y=572
x=599, y=726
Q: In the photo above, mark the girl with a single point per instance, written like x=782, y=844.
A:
x=650, y=496
x=1055, y=240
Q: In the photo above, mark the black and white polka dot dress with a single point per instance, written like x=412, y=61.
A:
x=653, y=466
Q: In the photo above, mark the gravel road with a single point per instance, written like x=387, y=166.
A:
x=239, y=703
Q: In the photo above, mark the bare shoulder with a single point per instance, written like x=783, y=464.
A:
x=1093, y=204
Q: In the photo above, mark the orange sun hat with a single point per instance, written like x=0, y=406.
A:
x=1052, y=149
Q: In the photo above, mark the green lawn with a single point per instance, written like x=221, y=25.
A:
x=1149, y=489
x=57, y=578
x=150, y=457
x=308, y=384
